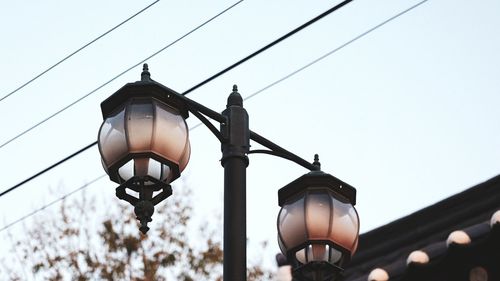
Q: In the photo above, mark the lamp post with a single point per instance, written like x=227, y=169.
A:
x=144, y=146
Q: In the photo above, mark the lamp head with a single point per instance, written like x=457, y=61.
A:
x=144, y=138
x=318, y=226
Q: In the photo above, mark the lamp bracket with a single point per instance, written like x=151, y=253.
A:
x=144, y=205
x=145, y=191
x=207, y=123
x=200, y=111
x=287, y=156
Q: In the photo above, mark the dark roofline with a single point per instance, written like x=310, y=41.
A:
x=469, y=207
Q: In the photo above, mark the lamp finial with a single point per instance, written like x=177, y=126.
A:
x=145, y=75
x=235, y=97
x=144, y=209
x=316, y=161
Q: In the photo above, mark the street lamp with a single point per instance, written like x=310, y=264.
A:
x=318, y=226
x=144, y=146
x=144, y=143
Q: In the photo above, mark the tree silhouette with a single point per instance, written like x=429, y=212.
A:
x=63, y=246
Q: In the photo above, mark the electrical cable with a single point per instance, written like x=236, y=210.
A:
x=246, y=98
x=95, y=142
x=301, y=27
x=60, y=198
x=77, y=51
x=363, y=34
x=52, y=203
x=293, y=73
x=48, y=168
x=292, y=32
x=197, y=125
x=117, y=76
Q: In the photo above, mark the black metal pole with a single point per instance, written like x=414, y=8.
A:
x=235, y=147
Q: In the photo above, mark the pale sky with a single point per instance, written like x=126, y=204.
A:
x=407, y=114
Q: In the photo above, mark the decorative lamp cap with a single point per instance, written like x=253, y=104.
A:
x=316, y=179
x=145, y=88
x=234, y=98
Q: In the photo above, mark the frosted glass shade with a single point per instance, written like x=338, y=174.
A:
x=144, y=137
x=145, y=167
x=318, y=225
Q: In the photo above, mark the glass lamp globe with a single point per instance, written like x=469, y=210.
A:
x=144, y=134
x=144, y=142
x=318, y=226
x=145, y=137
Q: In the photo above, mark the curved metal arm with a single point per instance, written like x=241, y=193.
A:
x=194, y=106
x=286, y=156
x=200, y=110
x=279, y=151
x=208, y=124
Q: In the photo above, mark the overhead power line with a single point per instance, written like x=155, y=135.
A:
x=292, y=32
x=315, y=19
x=117, y=76
x=77, y=51
x=52, y=203
x=251, y=95
x=62, y=197
x=304, y=25
x=363, y=34
x=48, y=168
